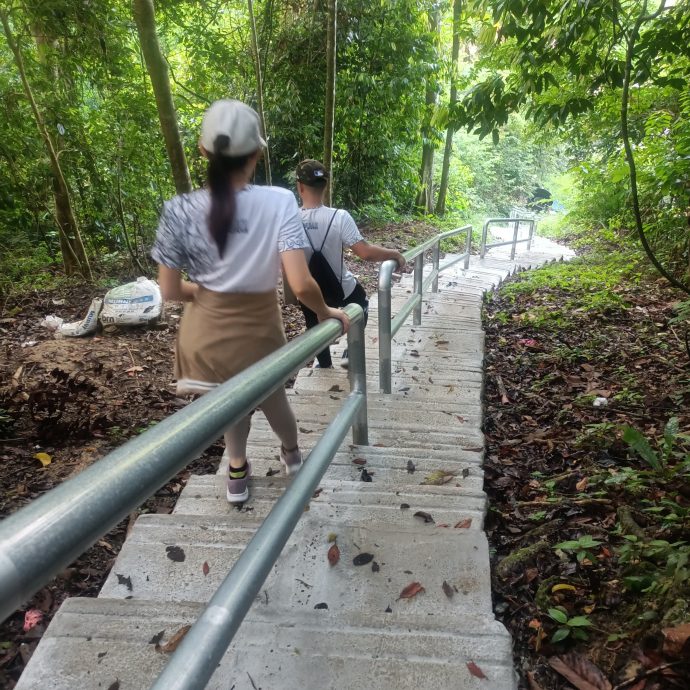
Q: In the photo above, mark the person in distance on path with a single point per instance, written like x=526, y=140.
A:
x=232, y=238
x=328, y=231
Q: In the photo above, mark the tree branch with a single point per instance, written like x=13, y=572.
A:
x=625, y=98
x=203, y=99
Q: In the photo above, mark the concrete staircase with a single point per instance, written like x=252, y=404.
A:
x=317, y=626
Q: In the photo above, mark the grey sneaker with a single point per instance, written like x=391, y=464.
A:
x=238, y=489
x=291, y=460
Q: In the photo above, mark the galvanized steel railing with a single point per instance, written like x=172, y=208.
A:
x=515, y=241
x=389, y=325
x=40, y=540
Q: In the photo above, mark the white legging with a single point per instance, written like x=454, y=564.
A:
x=279, y=415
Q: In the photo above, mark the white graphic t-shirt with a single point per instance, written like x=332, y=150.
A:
x=267, y=222
x=343, y=233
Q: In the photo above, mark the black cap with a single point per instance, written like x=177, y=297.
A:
x=312, y=173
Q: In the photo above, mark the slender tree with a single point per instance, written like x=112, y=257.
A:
x=157, y=67
x=329, y=124
x=73, y=252
x=259, y=88
x=631, y=38
x=425, y=198
x=443, y=188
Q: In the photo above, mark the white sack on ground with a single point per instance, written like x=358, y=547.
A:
x=132, y=303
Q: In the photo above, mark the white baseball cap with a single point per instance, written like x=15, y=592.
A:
x=236, y=121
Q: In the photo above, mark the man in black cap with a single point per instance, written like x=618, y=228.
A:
x=329, y=230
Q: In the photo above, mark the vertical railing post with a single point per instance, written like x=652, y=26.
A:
x=468, y=247
x=385, y=316
x=418, y=287
x=357, y=373
x=532, y=230
x=482, y=249
x=515, y=236
x=436, y=258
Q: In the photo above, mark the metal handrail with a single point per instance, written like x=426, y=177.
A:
x=515, y=241
x=41, y=539
x=389, y=326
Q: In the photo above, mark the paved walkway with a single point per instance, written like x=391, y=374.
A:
x=316, y=626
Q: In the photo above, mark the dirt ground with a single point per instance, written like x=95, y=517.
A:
x=76, y=399
x=589, y=542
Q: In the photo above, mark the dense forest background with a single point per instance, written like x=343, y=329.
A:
x=452, y=110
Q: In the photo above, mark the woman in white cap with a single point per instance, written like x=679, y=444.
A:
x=231, y=239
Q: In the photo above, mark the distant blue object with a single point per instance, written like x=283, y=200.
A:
x=557, y=206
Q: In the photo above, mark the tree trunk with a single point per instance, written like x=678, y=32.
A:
x=157, y=68
x=632, y=37
x=425, y=199
x=443, y=189
x=259, y=89
x=71, y=244
x=329, y=124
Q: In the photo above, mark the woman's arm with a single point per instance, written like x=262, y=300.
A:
x=306, y=289
x=173, y=288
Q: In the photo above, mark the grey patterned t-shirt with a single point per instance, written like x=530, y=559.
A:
x=267, y=222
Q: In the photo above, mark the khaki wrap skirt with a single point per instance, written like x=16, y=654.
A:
x=221, y=334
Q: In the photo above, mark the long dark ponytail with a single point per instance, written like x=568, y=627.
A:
x=221, y=170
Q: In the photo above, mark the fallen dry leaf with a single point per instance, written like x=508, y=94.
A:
x=205, y=568
x=362, y=558
x=43, y=458
x=175, y=553
x=124, y=580
x=173, y=643
x=422, y=515
x=676, y=639
x=447, y=590
x=333, y=554
x=412, y=590
x=359, y=461
x=156, y=639
x=31, y=619
x=580, y=671
x=464, y=524
x=438, y=477
x=475, y=670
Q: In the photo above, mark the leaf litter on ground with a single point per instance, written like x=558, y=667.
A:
x=557, y=469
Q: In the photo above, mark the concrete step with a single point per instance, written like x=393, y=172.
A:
x=471, y=279
x=406, y=466
x=437, y=386
x=348, y=502
x=94, y=644
x=439, y=414
x=302, y=575
x=387, y=463
x=468, y=412
x=460, y=382
x=394, y=433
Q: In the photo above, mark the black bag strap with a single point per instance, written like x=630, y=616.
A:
x=311, y=244
x=328, y=229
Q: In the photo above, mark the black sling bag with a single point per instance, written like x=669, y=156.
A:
x=323, y=273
